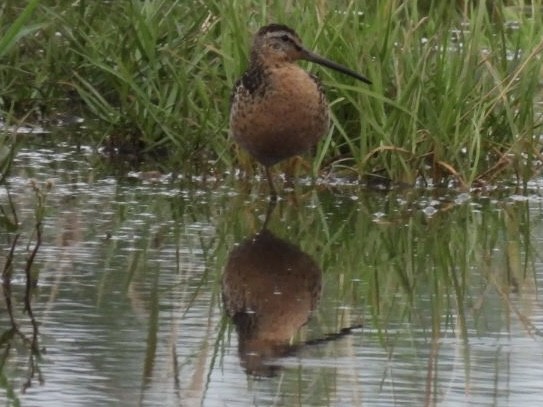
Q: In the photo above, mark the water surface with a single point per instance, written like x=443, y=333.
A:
x=440, y=288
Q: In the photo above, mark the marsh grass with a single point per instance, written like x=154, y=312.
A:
x=452, y=99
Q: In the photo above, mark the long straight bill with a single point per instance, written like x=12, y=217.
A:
x=310, y=56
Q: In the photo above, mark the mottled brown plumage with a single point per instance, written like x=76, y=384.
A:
x=278, y=109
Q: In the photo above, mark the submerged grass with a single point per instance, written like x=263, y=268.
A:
x=453, y=95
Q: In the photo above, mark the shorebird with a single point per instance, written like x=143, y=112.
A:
x=278, y=110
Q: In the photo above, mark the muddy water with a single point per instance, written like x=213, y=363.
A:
x=160, y=291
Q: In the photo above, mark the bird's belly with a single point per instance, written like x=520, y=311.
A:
x=283, y=121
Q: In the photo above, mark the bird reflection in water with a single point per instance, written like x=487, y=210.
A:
x=270, y=287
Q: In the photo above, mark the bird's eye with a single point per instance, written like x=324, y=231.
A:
x=285, y=38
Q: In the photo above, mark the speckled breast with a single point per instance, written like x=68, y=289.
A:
x=285, y=117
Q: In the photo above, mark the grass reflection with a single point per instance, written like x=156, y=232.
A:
x=416, y=277
x=444, y=285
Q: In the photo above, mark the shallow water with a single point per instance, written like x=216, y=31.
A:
x=440, y=287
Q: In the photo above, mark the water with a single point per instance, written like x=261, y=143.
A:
x=444, y=285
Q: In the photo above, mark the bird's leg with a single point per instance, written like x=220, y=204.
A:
x=273, y=192
x=271, y=206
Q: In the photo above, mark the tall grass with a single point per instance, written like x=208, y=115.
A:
x=452, y=100
x=17, y=29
